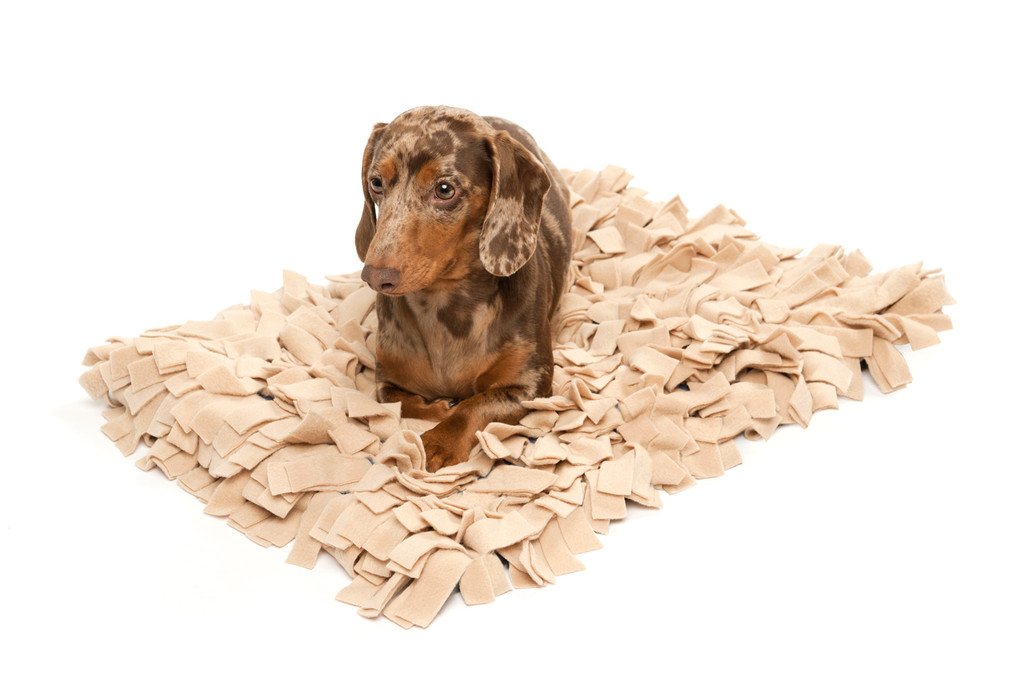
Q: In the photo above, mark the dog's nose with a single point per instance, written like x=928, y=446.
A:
x=382, y=279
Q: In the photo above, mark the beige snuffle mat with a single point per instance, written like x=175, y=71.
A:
x=267, y=412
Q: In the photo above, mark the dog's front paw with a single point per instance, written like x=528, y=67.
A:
x=439, y=409
x=443, y=448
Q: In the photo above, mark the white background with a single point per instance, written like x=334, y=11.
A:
x=159, y=160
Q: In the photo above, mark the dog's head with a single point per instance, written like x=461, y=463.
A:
x=442, y=187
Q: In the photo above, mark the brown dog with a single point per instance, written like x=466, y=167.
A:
x=466, y=237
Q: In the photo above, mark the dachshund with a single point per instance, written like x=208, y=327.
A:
x=466, y=236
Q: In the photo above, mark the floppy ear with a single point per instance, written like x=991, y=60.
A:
x=368, y=222
x=509, y=234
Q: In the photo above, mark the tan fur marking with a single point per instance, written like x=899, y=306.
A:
x=412, y=372
x=507, y=368
x=388, y=170
x=426, y=175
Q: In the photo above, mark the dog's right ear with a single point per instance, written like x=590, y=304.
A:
x=368, y=223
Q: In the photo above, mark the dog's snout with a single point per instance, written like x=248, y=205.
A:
x=382, y=279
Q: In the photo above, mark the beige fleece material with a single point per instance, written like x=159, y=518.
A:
x=676, y=336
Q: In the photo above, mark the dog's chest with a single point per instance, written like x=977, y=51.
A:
x=453, y=340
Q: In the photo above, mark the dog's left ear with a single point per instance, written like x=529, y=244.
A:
x=368, y=223
x=519, y=181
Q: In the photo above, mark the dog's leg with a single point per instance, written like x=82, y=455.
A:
x=414, y=405
x=450, y=441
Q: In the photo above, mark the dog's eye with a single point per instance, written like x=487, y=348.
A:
x=376, y=184
x=444, y=191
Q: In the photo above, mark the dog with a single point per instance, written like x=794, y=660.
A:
x=465, y=235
